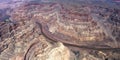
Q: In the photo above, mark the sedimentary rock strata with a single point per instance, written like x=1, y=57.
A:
x=56, y=30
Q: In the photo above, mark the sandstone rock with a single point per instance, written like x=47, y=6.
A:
x=61, y=53
x=26, y=47
x=57, y=30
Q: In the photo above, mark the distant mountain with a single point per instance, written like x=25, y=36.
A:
x=117, y=1
x=4, y=1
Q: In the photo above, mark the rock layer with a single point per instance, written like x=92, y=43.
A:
x=56, y=30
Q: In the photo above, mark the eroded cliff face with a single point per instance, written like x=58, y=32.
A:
x=59, y=30
x=25, y=42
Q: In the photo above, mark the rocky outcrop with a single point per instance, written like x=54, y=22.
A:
x=27, y=39
x=59, y=31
